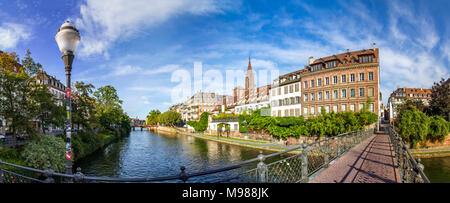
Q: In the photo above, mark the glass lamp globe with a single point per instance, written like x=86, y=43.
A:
x=67, y=37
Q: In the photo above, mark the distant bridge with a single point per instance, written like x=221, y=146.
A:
x=142, y=126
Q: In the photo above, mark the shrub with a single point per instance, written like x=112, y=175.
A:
x=439, y=128
x=413, y=126
x=45, y=150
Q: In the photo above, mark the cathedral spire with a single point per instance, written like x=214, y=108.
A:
x=249, y=64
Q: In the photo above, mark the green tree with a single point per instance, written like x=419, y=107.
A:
x=83, y=105
x=413, y=126
x=152, y=117
x=440, y=99
x=16, y=104
x=439, y=128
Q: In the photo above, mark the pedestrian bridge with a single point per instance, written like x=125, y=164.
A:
x=355, y=157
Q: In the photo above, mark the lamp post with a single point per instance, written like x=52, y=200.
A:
x=67, y=39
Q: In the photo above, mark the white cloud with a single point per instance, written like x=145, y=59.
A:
x=104, y=22
x=11, y=34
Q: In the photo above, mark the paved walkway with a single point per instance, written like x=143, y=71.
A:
x=372, y=161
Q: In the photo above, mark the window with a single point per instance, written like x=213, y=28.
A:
x=297, y=87
x=335, y=79
x=361, y=106
x=312, y=96
x=305, y=97
x=312, y=83
x=297, y=112
x=327, y=81
x=370, y=75
x=327, y=95
x=280, y=102
x=274, y=92
x=279, y=113
x=297, y=100
x=286, y=101
x=352, y=77
x=305, y=111
x=320, y=96
x=312, y=110
x=285, y=89
x=305, y=84
x=343, y=93
x=361, y=76
x=291, y=112
x=352, y=107
x=292, y=100
x=344, y=107
x=361, y=92
x=327, y=109
x=343, y=78
x=319, y=82
x=291, y=88
x=316, y=67
x=366, y=59
x=286, y=113
x=331, y=64
x=371, y=108
x=335, y=108
x=279, y=91
x=352, y=92
x=370, y=92
x=335, y=94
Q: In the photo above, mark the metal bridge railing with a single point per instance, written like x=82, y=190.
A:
x=299, y=167
x=410, y=170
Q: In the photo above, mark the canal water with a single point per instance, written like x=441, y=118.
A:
x=149, y=154
x=437, y=169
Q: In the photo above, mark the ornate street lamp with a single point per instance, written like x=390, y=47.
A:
x=67, y=39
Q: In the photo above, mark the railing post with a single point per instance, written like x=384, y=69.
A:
x=183, y=175
x=49, y=175
x=420, y=166
x=1, y=172
x=78, y=177
x=261, y=170
x=305, y=163
x=405, y=164
x=346, y=145
x=338, y=145
x=327, y=156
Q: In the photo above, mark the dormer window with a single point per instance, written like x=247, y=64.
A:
x=366, y=59
x=316, y=67
x=331, y=64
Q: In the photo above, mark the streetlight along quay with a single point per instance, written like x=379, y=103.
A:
x=67, y=39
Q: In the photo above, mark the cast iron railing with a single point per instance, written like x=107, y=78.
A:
x=302, y=163
x=410, y=169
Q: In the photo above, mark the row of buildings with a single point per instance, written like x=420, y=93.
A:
x=55, y=87
x=341, y=82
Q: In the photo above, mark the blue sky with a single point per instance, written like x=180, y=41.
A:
x=138, y=46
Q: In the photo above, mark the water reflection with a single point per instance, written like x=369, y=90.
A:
x=148, y=154
x=437, y=169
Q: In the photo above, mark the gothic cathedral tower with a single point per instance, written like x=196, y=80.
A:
x=250, y=77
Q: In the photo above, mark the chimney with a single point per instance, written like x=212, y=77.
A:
x=374, y=46
x=311, y=59
x=348, y=50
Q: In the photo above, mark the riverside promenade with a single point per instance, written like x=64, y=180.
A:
x=372, y=161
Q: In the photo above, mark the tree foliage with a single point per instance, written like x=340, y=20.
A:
x=202, y=124
x=44, y=151
x=440, y=99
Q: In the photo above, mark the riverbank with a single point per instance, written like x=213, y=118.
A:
x=433, y=149
x=255, y=144
x=83, y=145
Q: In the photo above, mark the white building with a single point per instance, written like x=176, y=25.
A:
x=285, y=95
